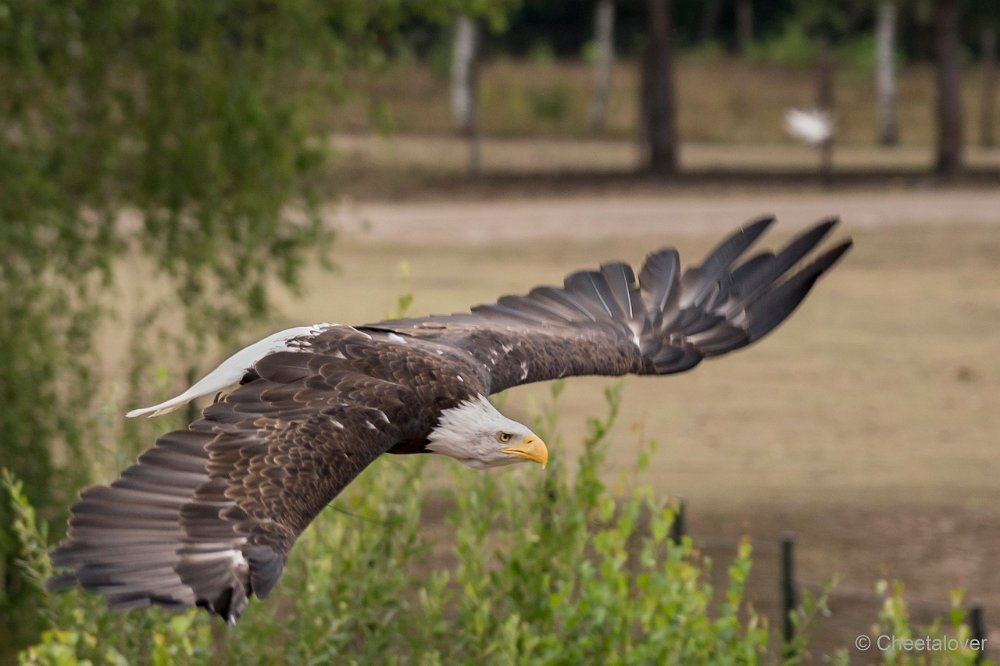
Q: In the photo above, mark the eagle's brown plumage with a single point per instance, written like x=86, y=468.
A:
x=209, y=514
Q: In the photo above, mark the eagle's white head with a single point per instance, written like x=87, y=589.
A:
x=477, y=435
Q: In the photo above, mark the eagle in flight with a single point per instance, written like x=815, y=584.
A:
x=208, y=516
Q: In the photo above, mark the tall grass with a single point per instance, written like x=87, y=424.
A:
x=527, y=567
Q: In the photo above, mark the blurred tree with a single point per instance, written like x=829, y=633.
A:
x=658, y=90
x=948, y=152
x=744, y=25
x=465, y=56
x=464, y=85
x=885, y=73
x=604, y=56
x=826, y=102
x=826, y=21
x=987, y=107
x=710, y=14
x=984, y=17
x=184, y=131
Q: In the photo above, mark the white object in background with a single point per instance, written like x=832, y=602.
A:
x=812, y=126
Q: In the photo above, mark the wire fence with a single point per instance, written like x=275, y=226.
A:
x=777, y=590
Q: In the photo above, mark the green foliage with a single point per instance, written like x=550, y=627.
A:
x=792, y=47
x=527, y=568
x=494, y=12
x=34, y=562
x=707, y=51
x=828, y=19
x=856, y=55
x=405, y=299
x=894, y=620
x=550, y=104
x=438, y=61
x=137, y=125
x=542, y=52
x=82, y=630
x=182, y=131
x=804, y=618
x=589, y=52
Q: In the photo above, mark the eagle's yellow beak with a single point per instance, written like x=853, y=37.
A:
x=530, y=448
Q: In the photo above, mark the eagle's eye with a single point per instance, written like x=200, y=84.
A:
x=504, y=437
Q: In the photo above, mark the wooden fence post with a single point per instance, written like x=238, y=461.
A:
x=677, y=528
x=789, y=599
x=978, y=631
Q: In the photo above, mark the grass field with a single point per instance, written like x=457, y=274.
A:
x=719, y=100
x=866, y=425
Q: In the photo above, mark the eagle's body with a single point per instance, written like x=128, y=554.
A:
x=209, y=515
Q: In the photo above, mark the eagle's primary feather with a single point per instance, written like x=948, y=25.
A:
x=208, y=515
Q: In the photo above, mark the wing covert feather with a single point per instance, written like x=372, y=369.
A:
x=607, y=322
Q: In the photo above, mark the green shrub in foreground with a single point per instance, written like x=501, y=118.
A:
x=528, y=568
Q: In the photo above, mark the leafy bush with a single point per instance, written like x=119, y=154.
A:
x=527, y=568
x=708, y=51
x=184, y=133
x=792, y=47
x=542, y=53
x=551, y=103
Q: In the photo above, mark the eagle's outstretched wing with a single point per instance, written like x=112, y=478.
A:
x=608, y=322
x=208, y=515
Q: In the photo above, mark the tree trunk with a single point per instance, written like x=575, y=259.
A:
x=826, y=101
x=464, y=80
x=659, y=103
x=604, y=36
x=948, y=160
x=885, y=73
x=744, y=25
x=825, y=79
x=987, y=110
x=709, y=20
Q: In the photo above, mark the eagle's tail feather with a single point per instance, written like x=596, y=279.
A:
x=233, y=369
x=130, y=540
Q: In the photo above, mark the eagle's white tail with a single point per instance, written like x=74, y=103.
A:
x=233, y=368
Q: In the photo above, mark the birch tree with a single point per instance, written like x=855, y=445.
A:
x=604, y=38
x=464, y=86
x=885, y=73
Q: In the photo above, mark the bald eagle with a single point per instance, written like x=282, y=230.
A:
x=208, y=516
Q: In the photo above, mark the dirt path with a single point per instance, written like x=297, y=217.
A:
x=656, y=215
